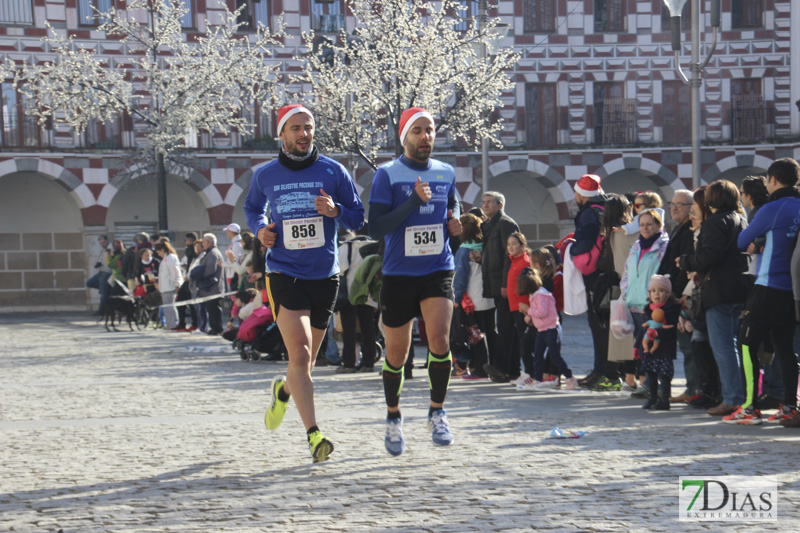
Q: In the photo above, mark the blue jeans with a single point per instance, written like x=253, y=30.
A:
x=723, y=325
x=100, y=282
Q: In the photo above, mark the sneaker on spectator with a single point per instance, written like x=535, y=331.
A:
x=553, y=379
x=606, y=385
x=571, y=383
x=530, y=386
x=749, y=416
x=628, y=388
x=641, y=393
x=703, y=401
x=766, y=402
x=784, y=411
x=521, y=380
x=494, y=374
x=722, y=409
x=590, y=378
x=791, y=421
x=547, y=385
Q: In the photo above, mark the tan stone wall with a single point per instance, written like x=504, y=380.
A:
x=42, y=269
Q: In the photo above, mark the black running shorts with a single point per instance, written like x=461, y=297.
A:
x=401, y=295
x=315, y=295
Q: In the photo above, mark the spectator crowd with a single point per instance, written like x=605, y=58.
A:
x=712, y=274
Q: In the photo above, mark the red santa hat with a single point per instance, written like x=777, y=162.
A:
x=287, y=111
x=408, y=118
x=588, y=185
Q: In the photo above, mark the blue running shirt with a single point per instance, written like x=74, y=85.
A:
x=306, y=245
x=421, y=244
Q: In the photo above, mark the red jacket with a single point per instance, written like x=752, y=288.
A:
x=517, y=264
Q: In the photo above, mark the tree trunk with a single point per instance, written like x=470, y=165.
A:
x=161, y=177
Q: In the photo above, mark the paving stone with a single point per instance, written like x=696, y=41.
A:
x=134, y=431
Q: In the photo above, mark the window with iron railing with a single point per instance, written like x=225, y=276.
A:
x=609, y=15
x=16, y=12
x=676, y=112
x=619, y=121
x=103, y=134
x=327, y=16
x=747, y=13
x=601, y=92
x=747, y=120
x=91, y=12
x=541, y=124
x=539, y=15
x=17, y=128
x=255, y=13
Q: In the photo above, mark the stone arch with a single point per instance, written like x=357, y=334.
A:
x=135, y=202
x=530, y=202
x=658, y=173
x=730, y=163
x=207, y=193
x=557, y=186
x=77, y=190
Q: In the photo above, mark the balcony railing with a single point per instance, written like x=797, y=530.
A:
x=16, y=12
x=747, y=118
x=619, y=121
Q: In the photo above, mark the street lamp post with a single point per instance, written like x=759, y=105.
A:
x=675, y=7
x=499, y=31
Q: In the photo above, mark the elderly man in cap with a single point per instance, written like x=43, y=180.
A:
x=309, y=196
x=232, y=254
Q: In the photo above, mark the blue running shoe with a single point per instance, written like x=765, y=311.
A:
x=394, y=441
x=439, y=428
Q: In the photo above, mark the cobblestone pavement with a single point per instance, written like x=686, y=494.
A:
x=144, y=432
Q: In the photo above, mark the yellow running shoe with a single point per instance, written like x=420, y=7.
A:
x=320, y=447
x=277, y=408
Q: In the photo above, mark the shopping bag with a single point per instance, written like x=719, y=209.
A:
x=621, y=319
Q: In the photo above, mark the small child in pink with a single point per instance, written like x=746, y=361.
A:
x=543, y=314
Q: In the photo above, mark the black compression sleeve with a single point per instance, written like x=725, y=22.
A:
x=382, y=220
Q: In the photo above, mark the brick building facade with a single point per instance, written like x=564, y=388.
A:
x=595, y=91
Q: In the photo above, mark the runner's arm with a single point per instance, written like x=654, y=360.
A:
x=382, y=220
x=255, y=206
x=351, y=210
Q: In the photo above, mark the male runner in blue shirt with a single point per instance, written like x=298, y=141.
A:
x=309, y=196
x=413, y=205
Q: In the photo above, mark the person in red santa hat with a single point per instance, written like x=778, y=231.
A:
x=414, y=206
x=590, y=199
x=309, y=196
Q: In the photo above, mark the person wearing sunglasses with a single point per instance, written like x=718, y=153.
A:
x=644, y=200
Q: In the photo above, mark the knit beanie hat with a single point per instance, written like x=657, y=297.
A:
x=588, y=185
x=660, y=282
x=287, y=111
x=408, y=118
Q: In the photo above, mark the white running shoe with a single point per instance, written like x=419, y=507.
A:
x=521, y=380
x=547, y=385
x=531, y=386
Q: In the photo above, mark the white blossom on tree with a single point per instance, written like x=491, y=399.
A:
x=404, y=53
x=172, y=86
